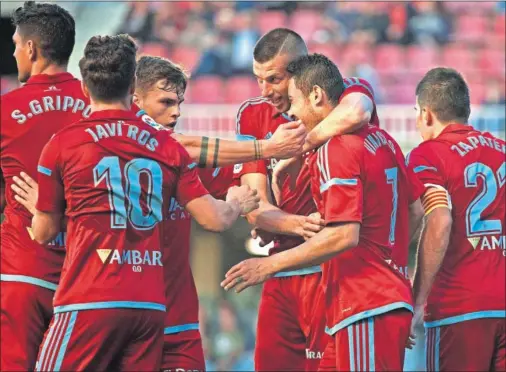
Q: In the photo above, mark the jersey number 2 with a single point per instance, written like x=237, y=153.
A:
x=109, y=169
x=491, y=183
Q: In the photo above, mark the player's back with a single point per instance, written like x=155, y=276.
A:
x=367, y=182
x=119, y=174
x=471, y=166
x=31, y=115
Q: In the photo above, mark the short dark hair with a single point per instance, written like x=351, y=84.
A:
x=279, y=41
x=51, y=26
x=151, y=69
x=316, y=69
x=108, y=66
x=445, y=92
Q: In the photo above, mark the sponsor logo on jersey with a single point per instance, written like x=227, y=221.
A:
x=237, y=168
x=132, y=257
x=177, y=212
x=489, y=243
x=52, y=88
x=310, y=354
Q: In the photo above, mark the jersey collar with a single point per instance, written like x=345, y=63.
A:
x=50, y=79
x=457, y=127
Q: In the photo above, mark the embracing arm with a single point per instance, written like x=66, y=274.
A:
x=354, y=111
x=45, y=226
x=286, y=142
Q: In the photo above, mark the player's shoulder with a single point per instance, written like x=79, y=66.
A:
x=427, y=151
x=253, y=106
x=13, y=96
x=351, y=143
x=355, y=83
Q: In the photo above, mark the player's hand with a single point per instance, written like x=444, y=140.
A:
x=27, y=191
x=266, y=237
x=246, y=197
x=416, y=323
x=285, y=168
x=247, y=273
x=312, y=225
x=287, y=141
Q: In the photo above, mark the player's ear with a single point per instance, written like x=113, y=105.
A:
x=85, y=90
x=31, y=50
x=427, y=116
x=317, y=94
x=136, y=98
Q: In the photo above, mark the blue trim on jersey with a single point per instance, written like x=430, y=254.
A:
x=351, y=348
x=41, y=358
x=244, y=137
x=44, y=170
x=216, y=171
x=422, y=168
x=286, y=116
x=436, y=351
x=66, y=338
x=300, y=272
x=181, y=328
x=468, y=316
x=367, y=314
x=29, y=280
x=192, y=165
x=110, y=305
x=372, y=362
x=338, y=182
x=140, y=113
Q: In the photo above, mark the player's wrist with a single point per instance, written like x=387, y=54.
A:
x=269, y=148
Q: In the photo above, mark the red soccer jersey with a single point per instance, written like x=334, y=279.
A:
x=471, y=167
x=117, y=174
x=257, y=118
x=362, y=178
x=182, y=298
x=30, y=116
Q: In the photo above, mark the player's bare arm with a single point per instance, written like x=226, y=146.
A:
x=270, y=218
x=218, y=215
x=332, y=240
x=431, y=252
x=415, y=218
x=45, y=226
x=286, y=142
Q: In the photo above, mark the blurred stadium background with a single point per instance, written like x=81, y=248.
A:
x=390, y=44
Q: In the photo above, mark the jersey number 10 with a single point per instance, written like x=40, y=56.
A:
x=109, y=169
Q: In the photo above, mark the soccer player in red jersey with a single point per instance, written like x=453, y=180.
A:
x=460, y=274
x=50, y=99
x=113, y=175
x=364, y=245
x=291, y=315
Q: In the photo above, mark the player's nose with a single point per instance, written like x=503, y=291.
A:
x=266, y=90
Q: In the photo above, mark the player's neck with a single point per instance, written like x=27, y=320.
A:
x=116, y=105
x=45, y=67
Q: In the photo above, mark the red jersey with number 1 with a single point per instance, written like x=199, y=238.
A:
x=471, y=167
x=362, y=178
x=117, y=174
x=257, y=118
x=31, y=115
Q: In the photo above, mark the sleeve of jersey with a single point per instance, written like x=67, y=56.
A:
x=189, y=186
x=51, y=197
x=357, y=85
x=340, y=182
x=427, y=170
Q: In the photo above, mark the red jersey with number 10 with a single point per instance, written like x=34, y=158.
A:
x=362, y=178
x=471, y=167
x=117, y=174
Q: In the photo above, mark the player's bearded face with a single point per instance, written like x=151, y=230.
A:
x=162, y=105
x=273, y=81
x=22, y=56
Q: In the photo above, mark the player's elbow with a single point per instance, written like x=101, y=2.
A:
x=44, y=235
x=45, y=227
x=359, y=115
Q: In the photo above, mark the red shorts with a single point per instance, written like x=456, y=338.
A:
x=183, y=351
x=103, y=340
x=472, y=345
x=372, y=344
x=26, y=313
x=291, y=324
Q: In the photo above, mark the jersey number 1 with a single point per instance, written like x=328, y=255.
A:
x=491, y=183
x=109, y=169
x=391, y=174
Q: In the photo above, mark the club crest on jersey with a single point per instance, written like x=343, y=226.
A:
x=133, y=257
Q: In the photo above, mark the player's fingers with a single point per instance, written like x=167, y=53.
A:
x=20, y=183
x=308, y=226
x=20, y=200
x=291, y=124
x=242, y=286
x=29, y=180
x=19, y=191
